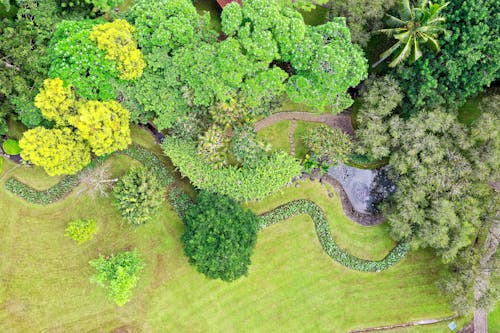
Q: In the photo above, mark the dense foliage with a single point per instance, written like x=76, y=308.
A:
x=118, y=274
x=328, y=143
x=81, y=230
x=266, y=176
x=138, y=195
x=23, y=59
x=11, y=147
x=363, y=17
x=377, y=104
x=468, y=60
x=219, y=237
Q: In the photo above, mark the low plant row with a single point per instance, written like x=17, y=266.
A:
x=61, y=189
x=180, y=201
x=298, y=207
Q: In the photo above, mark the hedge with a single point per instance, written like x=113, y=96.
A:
x=64, y=187
x=268, y=176
x=180, y=201
x=302, y=206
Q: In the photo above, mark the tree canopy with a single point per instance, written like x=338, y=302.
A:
x=219, y=237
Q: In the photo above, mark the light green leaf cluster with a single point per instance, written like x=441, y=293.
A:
x=81, y=230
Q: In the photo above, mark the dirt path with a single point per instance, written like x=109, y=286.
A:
x=341, y=120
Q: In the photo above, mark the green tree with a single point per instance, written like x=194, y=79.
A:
x=363, y=17
x=421, y=25
x=81, y=230
x=58, y=151
x=329, y=143
x=219, y=237
x=138, y=195
x=56, y=102
x=377, y=104
x=467, y=63
x=118, y=274
x=23, y=59
x=77, y=60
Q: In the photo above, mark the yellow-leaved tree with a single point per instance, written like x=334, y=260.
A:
x=116, y=39
x=59, y=151
x=105, y=125
x=56, y=101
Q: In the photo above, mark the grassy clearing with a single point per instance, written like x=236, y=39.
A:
x=214, y=9
x=494, y=319
x=317, y=16
x=292, y=283
x=277, y=136
x=298, y=134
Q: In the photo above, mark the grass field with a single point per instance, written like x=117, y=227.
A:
x=277, y=136
x=292, y=283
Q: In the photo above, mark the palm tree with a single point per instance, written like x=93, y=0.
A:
x=420, y=25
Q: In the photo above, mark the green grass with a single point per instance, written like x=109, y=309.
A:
x=494, y=319
x=214, y=9
x=317, y=16
x=469, y=112
x=292, y=284
x=277, y=136
x=298, y=134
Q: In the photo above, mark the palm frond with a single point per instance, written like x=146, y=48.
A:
x=401, y=56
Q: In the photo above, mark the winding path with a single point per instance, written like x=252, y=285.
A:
x=341, y=120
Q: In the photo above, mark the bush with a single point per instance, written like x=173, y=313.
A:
x=220, y=237
x=138, y=195
x=118, y=274
x=329, y=143
x=81, y=230
x=267, y=176
x=302, y=206
x=11, y=147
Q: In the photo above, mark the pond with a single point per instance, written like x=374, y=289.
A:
x=364, y=188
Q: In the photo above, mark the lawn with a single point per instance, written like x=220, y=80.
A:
x=276, y=135
x=292, y=283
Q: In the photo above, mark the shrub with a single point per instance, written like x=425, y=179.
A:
x=11, y=147
x=138, y=195
x=180, y=201
x=329, y=143
x=344, y=258
x=118, y=274
x=81, y=230
x=220, y=237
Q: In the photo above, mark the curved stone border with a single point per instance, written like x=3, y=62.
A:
x=341, y=120
x=302, y=206
x=367, y=220
x=64, y=187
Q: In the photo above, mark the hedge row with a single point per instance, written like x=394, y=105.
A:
x=61, y=189
x=302, y=206
x=180, y=201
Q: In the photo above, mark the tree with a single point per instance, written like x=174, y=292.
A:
x=77, y=60
x=363, y=17
x=466, y=64
x=118, y=274
x=105, y=126
x=325, y=65
x=329, y=143
x=416, y=26
x=94, y=6
x=23, y=59
x=138, y=195
x=58, y=151
x=377, y=104
x=81, y=230
x=56, y=102
x=96, y=181
x=116, y=39
x=219, y=237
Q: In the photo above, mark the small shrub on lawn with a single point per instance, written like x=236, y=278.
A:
x=138, y=195
x=302, y=206
x=220, y=237
x=118, y=274
x=81, y=230
x=11, y=147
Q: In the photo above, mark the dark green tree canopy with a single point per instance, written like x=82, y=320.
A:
x=220, y=237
